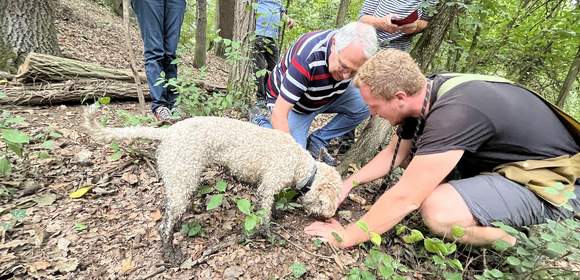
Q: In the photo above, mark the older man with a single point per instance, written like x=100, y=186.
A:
x=476, y=126
x=314, y=77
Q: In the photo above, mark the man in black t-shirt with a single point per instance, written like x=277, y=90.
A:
x=474, y=127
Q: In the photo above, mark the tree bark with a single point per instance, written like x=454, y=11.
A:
x=132, y=63
x=426, y=48
x=200, y=38
x=47, y=68
x=225, y=23
x=79, y=91
x=471, y=60
x=342, y=10
x=28, y=26
x=375, y=135
x=570, y=78
x=241, y=78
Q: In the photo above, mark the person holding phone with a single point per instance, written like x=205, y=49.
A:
x=396, y=21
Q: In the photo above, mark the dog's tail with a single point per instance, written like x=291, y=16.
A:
x=106, y=134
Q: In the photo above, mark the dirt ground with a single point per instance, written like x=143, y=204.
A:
x=111, y=232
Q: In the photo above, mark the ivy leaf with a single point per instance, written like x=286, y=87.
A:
x=49, y=144
x=501, y=245
x=455, y=263
x=105, y=100
x=204, y=190
x=557, y=247
x=452, y=276
x=215, y=201
x=245, y=206
x=513, y=261
x=80, y=227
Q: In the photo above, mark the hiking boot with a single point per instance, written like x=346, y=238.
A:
x=162, y=114
x=321, y=154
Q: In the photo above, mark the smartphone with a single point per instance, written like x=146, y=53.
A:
x=412, y=17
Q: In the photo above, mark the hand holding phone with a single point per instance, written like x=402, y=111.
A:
x=412, y=17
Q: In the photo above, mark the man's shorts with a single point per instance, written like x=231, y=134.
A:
x=492, y=198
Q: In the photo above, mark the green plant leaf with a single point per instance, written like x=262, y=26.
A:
x=557, y=247
x=15, y=136
x=19, y=214
x=204, y=190
x=455, y=263
x=413, y=237
x=191, y=229
x=5, y=167
x=400, y=229
x=375, y=238
x=15, y=147
x=522, y=251
x=116, y=156
x=105, y=100
x=457, y=231
x=245, y=206
x=54, y=135
x=386, y=270
x=43, y=155
x=496, y=273
x=452, y=275
x=80, y=227
x=215, y=201
x=501, y=245
x=438, y=260
x=513, y=261
x=221, y=186
x=250, y=222
x=49, y=144
x=298, y=269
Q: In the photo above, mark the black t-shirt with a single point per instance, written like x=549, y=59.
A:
x=493, y=123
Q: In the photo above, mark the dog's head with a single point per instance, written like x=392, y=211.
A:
x=321, y=200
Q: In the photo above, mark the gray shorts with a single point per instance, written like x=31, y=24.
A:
x=492, y=198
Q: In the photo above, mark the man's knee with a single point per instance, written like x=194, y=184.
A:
x=434, y=216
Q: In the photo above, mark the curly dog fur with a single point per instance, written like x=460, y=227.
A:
x=265, y=157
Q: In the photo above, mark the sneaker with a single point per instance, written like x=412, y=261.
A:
x=321, y=154
x=162, y=114
x=259, y=113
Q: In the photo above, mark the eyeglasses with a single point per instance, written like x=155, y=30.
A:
x=344, y=68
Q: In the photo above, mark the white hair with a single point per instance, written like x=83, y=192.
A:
x=359, y=32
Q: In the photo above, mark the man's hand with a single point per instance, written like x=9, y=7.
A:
x=329, y=231
x=409, y=28
x=385, y=24
x=280, y=114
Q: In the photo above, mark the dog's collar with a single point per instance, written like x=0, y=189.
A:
x=303, y=186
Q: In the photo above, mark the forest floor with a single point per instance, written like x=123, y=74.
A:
x=111, y=232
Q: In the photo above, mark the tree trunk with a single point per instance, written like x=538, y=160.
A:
x=241, y=78
x=28, y=26
x=426, y=48
x=225, y=23
x=79, y=91
x=570, y=78
x=471, y=60
x=200, y=42
x=342, y=10
x=374, y=136
x=47, y=68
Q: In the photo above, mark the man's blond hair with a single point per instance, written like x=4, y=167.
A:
x=390, y=71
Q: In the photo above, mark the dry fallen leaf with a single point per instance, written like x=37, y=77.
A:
x=156, y=215
x=66, y=265
x=80, y=192
x=45, y=200
x=62, y=244
x=13, y=244
x=38, y=265
x=127, y=264
x=130, y=178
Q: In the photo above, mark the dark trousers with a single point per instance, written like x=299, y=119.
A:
x=160, y=24
x=265, y=56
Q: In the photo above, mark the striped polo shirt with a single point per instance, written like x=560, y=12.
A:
x=302, y=76
x=401, y=8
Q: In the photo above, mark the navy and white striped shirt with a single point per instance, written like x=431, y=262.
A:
x=302, y=76
x=401, y=8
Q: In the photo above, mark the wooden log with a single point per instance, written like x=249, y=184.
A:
x=80, y=91
x=47, y=68
x=76, y=91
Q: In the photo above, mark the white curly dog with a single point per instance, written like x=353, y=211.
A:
x=265, y=157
